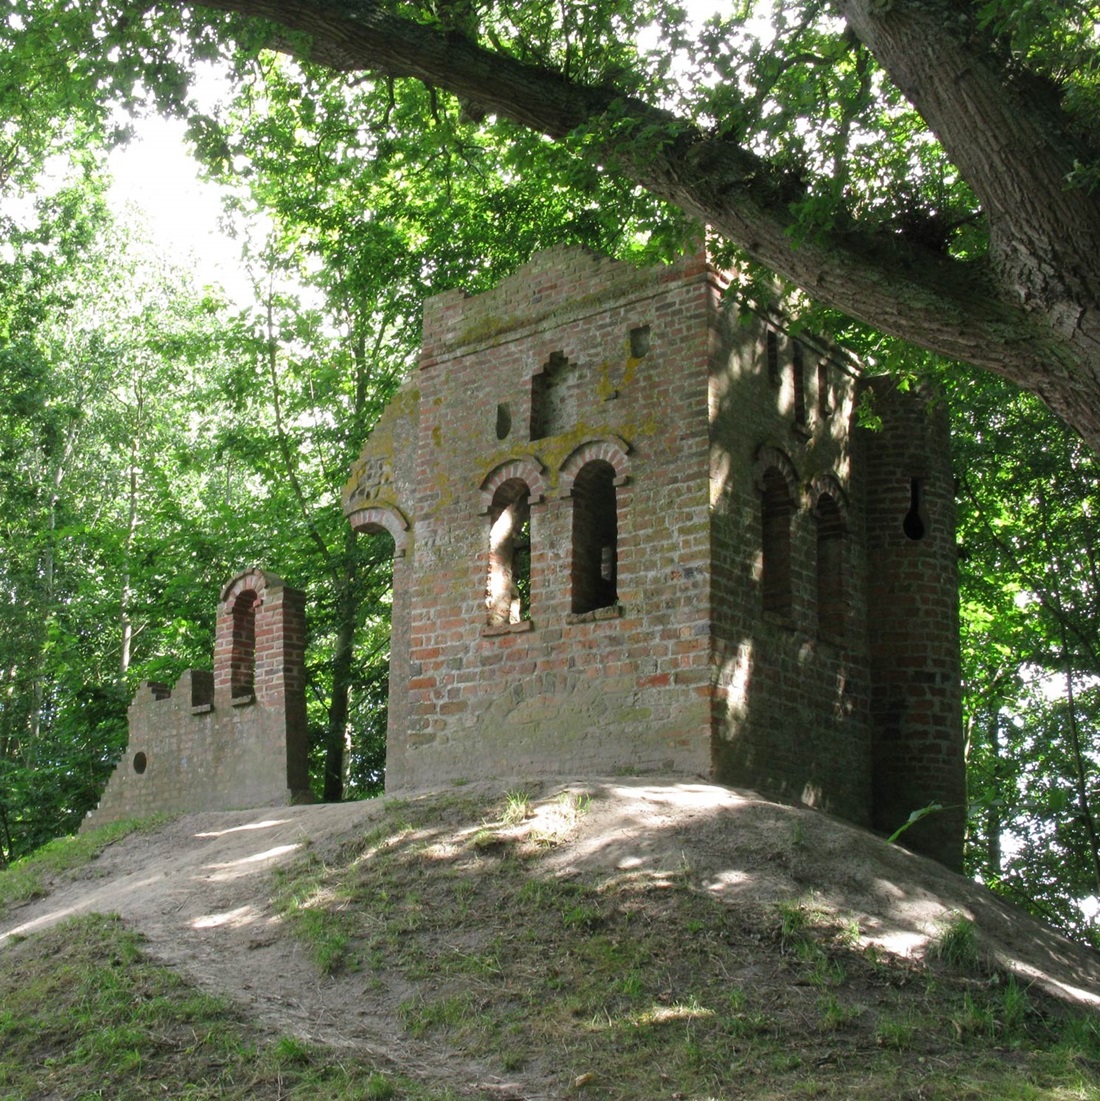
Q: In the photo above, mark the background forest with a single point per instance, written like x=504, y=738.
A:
x=157, y=435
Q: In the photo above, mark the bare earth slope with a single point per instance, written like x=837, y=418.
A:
x=200, y=890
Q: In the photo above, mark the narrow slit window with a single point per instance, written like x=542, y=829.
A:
x=824, y=392
x=594, y=573
x=771, y=345
x=776, y=508
x=798, y=379
x=913, y=525
x=832, y=607
x=508, y=588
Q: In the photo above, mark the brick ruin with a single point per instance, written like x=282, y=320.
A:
x=637, y=530
x=234, y=737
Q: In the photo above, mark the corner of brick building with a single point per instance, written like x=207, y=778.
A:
x=234, y=737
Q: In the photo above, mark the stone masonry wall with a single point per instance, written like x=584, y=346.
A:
x=235, y=737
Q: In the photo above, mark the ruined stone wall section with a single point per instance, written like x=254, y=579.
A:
x=913, y=631
x=207, y=744
x=792, y=694
x=620, y=688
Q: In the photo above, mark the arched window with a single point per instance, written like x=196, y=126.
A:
x=508, y=589
x=832, y=606
x=776, y=508
x=595, y=537
x=242, y=663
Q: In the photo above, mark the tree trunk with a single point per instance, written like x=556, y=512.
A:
x=126, y=593
x=336, y=731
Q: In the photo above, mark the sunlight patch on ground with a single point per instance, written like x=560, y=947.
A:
x=246, y=863
x=231, y=919
x=41, y=922
x=726, y=880
x=271, y=822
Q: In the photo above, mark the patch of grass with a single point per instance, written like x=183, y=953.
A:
x=419, y=1016
x=302, y=898
x=898, y=1035
x=26, y=879
x=956, y=945
x=87, y=1014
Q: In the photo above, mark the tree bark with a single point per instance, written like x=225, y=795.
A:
x=1030, y=311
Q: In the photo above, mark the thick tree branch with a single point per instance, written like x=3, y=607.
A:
x=1040, y=330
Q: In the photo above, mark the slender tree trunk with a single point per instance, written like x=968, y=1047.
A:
x=993, y=823
x=1083, y=803
x=336, y=733
x=126, y=593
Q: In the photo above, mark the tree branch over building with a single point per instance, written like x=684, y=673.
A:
x=1027, y=308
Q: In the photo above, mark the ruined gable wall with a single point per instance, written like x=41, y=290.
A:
x=793, y=683
x=622, y=688
x=234, y=737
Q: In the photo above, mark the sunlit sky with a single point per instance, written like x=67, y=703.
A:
x=157, y=174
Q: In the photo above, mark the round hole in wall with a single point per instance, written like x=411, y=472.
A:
x=504, y=420
x=140, y=763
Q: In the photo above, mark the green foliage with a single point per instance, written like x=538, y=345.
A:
x=1028, y=565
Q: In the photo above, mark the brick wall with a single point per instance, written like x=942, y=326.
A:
x=550, y=379
x=235, y=737
x=913, y=627
x=792, y=694
x=638, y=532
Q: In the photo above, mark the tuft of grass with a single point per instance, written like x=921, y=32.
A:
x=956, y=945
x=517, y=808
x=899, y=1035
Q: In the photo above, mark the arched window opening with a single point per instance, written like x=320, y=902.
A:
x=595, y=538
x=242, y=664
x=832, y=607
x=776, y=508
x=508, y=590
